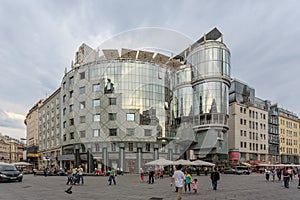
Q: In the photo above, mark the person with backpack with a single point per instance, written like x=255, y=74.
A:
x=215, y=177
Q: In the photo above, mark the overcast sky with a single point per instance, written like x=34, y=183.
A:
x=38, y=39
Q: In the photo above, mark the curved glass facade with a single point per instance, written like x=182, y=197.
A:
x=183, y=94
x=210, y=63
x=144, y=86
x=210, y=59
x=210, y=97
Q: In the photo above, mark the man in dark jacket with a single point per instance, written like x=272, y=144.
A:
x=215, y=177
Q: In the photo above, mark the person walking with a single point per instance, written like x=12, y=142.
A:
x=195, y=185
x=151, y=176
x=273, y=173
x=279, y=171
x=267, y=173
x=215, y=177
x=178, y=179
x=112, y=176
x=188, y=180
x=142, y=174
x=286, y=178
x=80, y=173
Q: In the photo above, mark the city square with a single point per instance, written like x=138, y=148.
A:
x=130, y=187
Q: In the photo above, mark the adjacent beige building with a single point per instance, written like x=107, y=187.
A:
x=248, y=132
x=11, y=150
x=49, y=131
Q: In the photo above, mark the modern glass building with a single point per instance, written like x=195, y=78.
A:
x=123, y=110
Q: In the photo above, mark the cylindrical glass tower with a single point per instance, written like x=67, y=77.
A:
x=210, y=61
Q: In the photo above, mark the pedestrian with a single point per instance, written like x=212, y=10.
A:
x=80, y=173
x=290, y=172
x=273, y=173
x=151, y=176
x=188, y=180
x=45, y=171
x=34, y=171
x=286, y=178
x=142, y=174
x=205, y=171
x=195, y=185
x=215, y=177
x=298, y=181
x=161, y=174
x=267, y=173
x=69, y=177
x=178, y=179
x=279, y=171
x=112, y=176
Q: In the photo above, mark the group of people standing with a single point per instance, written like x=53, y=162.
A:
x=180, y=180
x=287, y=173
x=75, y=175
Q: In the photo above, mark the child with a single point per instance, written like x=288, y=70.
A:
x=195, y=185
x=188, y=180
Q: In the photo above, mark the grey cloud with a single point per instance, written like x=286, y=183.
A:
x=5, y=121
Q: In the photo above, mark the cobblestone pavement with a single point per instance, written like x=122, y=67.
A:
x=129, y=187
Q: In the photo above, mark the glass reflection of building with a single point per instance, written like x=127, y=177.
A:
x=125, y=110
x=209, y=62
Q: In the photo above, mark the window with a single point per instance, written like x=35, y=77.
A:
x=96, y=132
x=241, y=121
x=82, y=119
x=71, y=94
x=96, y=118
x=113, y=146
x=241, y=110
x=130, y=146
x=96, y=87
x=71, y=80
x=130, y=131
x=71, y=122
x=64, y=85
x=97, y=147
x=64, y=137
x=241, y=144
x=82, y=134
x=71, y=108
x=147, y=146
x=64, y=98
x=148, y=132
x=112, y=116
x=71, y=135
x=82, y=105
x=64, y=124
x=244, y=122
x=113, y=132
x=245, y=133
x=82, y=90
x=82, y=75
x=245, y=145
x=96, y=102
x=130, y=116
x=241, y=133
x=112, y=101
x=64, y=111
